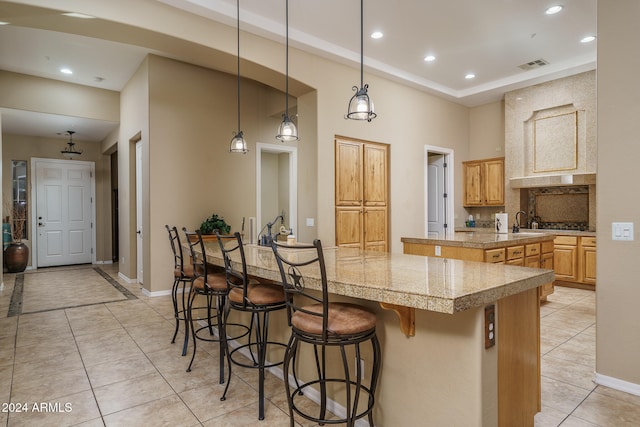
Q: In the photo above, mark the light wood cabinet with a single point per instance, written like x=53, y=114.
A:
x=575, y=260
x=588, y=260
x=483, y=182
x=362, y=194
x=546, y=262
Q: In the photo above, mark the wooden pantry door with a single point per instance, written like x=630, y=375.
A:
x=362, y=194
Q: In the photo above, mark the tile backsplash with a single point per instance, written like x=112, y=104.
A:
x=559, y=207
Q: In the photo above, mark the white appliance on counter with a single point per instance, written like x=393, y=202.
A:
x=502, y=223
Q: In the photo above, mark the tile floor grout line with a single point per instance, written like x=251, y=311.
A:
x=126, y=292
x=576, y=407
x=154, y=366
x=84, y=366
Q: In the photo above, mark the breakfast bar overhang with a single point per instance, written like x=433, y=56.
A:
x=446, y=372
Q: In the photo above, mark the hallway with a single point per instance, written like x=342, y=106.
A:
x=103, y=357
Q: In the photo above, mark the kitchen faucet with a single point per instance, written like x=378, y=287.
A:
x=268, y=237
x=516, y=225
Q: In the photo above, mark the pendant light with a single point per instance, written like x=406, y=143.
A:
x=70, y=151
x=360, y=105
x=287, y=130
x=238, y=143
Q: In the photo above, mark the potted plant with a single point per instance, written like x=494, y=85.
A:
x=16, y=254
x=213, y=223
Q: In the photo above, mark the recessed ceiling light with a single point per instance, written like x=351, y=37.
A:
x=4, y=23
x=470, y=76
x=429, y=58
x=66, y=71
x=377, y=35
x=588, y=39
x=78, y=15
x=554, y=9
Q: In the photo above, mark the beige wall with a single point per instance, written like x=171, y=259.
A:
x=22, y=92
x=618, y=293
x=486, y=131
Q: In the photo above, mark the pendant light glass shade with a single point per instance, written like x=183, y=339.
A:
x=70, y=151
x=360, y=105
x=287, y=130
x=238, y=143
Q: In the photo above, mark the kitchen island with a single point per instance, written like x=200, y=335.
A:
x=447, y=372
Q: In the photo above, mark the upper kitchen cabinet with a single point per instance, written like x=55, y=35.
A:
x=483, y=182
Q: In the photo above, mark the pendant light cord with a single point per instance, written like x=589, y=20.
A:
x=361, y=43
x=286, y=99
x=238, y=29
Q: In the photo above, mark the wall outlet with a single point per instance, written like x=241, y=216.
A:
x=310, y=222
x=438, y=250
x=489, y=326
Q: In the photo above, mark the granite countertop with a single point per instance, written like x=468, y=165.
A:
x=482, y=239
x=434, y=284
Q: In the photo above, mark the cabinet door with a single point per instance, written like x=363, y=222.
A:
x=472, y=184
x=375, y=175
x=348, y=173
x=546, y=261
x=565, y=260
x=588, y=258
x=532, y=261
x=375, y=229
x=349, y=227
x=494, y=182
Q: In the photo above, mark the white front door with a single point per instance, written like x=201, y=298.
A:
x=63, y=212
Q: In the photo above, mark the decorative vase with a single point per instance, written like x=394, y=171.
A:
x=16, y=257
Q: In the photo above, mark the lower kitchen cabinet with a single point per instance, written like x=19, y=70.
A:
x=574, y=261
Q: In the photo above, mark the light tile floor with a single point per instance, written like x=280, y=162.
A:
x=109, y=359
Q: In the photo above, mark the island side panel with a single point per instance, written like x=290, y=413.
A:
x=518, y=342
x=442, y=376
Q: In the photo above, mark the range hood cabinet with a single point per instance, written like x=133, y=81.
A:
x=563, y=180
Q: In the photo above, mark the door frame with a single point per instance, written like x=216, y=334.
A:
x=293, y=182
x=450, y=188
x=33, y=186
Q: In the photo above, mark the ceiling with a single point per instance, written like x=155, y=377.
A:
x=489, y=38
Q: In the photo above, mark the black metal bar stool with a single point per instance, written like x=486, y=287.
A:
x=182, y=273
x=323, y=324
x=213, y=286
x=258, y=299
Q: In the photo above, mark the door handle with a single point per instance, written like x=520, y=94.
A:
x=40, y=224
x=139, y=232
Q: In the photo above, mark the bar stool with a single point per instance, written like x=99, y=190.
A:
x=323, y=324
x=213, y=286
x=258, y=299
x=182, y=273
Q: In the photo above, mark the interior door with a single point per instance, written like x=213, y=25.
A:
x=436, y=217
x=139, y=248
x=64, y=214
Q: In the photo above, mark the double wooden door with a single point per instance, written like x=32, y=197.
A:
x=362, y=194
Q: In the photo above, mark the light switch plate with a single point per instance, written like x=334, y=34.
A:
x=310, y=222
x=622, y=231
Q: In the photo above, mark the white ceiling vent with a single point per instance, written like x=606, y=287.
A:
x=533, y=64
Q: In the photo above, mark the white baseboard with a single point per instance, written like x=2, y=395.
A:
x=156, y=293
x=617, y=384
x=310, y=392
x=103, y=262
x=126, y=279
